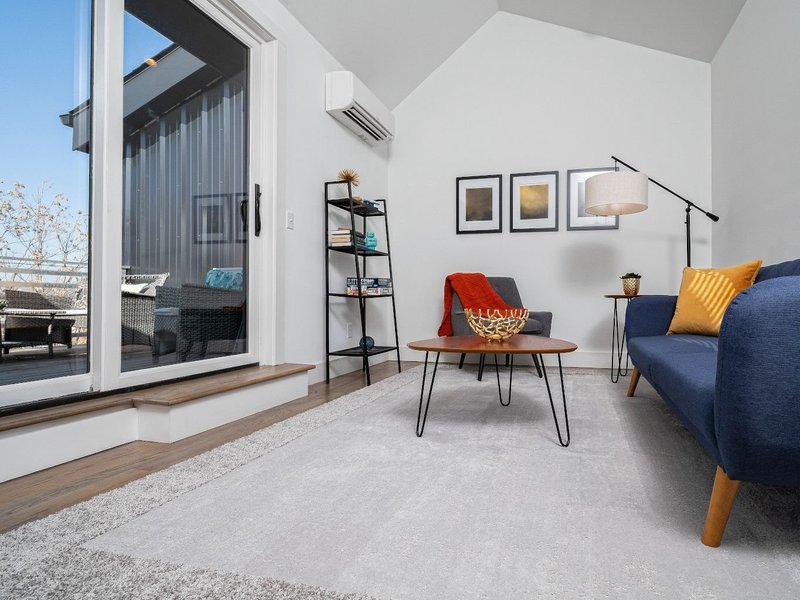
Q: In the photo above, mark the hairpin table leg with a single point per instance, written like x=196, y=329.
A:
x=563, y=398
x=510, y=379
x=424, y=417
x=617, y=347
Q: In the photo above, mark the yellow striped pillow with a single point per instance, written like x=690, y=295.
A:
x=706, y=293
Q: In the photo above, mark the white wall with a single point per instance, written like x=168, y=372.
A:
x=314, y=148
x=522, y=95
x=756, y=170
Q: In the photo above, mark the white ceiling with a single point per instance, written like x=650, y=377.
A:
x=393, y=45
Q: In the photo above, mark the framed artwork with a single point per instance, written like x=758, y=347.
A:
x=211, y=219
x=478, y=205
x=534, y=201
x=577, y=217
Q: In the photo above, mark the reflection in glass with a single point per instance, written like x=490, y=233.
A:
x=44, y=190
x=184, y=245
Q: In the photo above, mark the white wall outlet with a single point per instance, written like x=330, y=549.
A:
x=289, y=219
x=349, y=329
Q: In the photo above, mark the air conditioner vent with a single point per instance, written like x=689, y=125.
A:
x=351, y=102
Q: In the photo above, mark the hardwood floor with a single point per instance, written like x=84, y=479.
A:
x=43, y=493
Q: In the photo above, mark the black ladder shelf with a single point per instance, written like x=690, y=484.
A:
x=358, y=214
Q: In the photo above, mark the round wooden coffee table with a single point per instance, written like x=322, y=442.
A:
x=518, y=344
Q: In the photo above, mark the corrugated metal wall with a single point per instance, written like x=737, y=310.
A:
x=193, y=156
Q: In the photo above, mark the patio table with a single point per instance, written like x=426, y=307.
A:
x=50, y=313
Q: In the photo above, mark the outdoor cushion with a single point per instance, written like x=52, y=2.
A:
x=140, y=289
x=227, y=279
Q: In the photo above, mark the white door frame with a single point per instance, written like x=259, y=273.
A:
x=105, y=261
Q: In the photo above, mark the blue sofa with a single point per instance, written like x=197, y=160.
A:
x=738, y=394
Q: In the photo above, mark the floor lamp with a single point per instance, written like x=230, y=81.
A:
x=623, y=193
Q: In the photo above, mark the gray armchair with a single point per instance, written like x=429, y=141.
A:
x=539, y=322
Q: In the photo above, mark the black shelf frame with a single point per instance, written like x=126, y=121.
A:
x=340, y=295
x=357, y=351
x=359, y=251
x=358, y=213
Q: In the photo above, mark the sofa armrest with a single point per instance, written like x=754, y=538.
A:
x=649, y=315
x=757, y=404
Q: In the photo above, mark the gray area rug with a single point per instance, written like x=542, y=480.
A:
x=345, y=502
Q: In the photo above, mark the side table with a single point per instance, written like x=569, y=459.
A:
x=618, y=340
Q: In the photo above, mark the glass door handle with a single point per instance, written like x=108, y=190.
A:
x=243, y=213
x=258, y=210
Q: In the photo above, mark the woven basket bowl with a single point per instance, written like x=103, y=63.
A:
x=496, y=325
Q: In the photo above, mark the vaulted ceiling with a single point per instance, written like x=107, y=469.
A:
x=393, y=45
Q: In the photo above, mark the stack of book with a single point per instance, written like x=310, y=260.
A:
x=372, y=204
x=343, y=237
x=370, y=286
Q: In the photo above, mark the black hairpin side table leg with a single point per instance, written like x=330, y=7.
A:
x=618, y=340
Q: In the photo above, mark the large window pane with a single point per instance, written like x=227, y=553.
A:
x=184, y=238
x=44, y=189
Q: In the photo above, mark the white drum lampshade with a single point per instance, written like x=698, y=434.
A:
x=616, y=193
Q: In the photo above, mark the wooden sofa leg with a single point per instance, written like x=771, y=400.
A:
x=719, y=508
x=634, y=382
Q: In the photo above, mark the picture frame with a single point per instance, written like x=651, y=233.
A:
x=211, y=220
x=479, y=207
x=533, y=201
x=577, y=217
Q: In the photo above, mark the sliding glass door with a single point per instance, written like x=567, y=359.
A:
x=44, y=194
x=141, y=113
x=184, y=235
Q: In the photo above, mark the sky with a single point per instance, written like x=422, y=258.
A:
x=46, y=73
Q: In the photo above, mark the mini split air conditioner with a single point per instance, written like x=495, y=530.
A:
x=348, y=100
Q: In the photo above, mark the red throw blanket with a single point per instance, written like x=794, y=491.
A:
x=474, y=291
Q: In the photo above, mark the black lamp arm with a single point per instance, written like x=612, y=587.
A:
x=689, y=203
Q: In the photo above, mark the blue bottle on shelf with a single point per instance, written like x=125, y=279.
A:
x=371, y=240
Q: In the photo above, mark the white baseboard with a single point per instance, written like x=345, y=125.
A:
x=43, y=445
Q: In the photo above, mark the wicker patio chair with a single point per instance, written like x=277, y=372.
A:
x=33, y=331
x=208, y=314
x=138, y=311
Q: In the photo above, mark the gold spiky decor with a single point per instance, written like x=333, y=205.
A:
x=496, y=325
x=349, y=175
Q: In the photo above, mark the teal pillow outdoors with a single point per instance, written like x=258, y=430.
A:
x=225, y=279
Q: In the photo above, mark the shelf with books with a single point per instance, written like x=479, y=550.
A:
x=366, y=208
x=365, y=296
x=352, y=239
x=359, y=250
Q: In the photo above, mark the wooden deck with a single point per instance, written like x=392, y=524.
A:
x=32, y=363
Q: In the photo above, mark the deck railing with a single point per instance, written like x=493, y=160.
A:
x=67, y=278
x=18, y=272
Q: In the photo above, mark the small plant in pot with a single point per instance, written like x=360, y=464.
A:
x=630, y=283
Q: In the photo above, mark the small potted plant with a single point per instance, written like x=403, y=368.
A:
x=630, y=283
